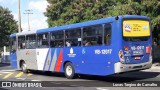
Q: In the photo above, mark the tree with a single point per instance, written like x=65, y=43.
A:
x=60, y=12
x=7, y=26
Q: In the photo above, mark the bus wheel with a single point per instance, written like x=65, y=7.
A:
x=24, y=67
x=69, y=70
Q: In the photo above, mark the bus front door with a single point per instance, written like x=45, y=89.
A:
x=13, y=56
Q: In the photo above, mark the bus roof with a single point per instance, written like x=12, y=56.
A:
x=77, y=25
x=82, y=24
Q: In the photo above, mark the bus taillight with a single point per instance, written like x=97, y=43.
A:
x=148, y=49
x=121, y=56
x=126, y=48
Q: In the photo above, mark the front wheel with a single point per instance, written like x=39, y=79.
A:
x=69, y=70
x=24, y=67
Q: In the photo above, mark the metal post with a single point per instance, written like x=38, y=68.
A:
x=19, y=17
x=28, y=12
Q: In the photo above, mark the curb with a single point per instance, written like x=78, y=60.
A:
x=5, y=63
x=156, y=64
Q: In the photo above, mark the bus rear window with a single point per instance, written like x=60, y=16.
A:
x=136, y=28
x=136, y=39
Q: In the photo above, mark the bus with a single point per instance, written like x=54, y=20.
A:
x=98, y=47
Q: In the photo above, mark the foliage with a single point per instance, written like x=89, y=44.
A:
x=60, y=12
x=7, y=26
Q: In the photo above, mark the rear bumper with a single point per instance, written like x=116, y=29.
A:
x=119, y=67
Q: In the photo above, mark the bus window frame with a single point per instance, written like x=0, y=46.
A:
x=110, y=33
x=18, y=42
x=48, y=40
x=92, y=35
x=12, y=40
x=73, y=29
x=35, y=40
x=57, y=39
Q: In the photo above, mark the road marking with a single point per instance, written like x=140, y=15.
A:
x=19, y=74
x=35, y=80
x=56, y=83
x=74, y=85
x=8, y=75
x=29, y=74
x=7, y=70
x=21, y=78
x=0, y=74
x=102, y=89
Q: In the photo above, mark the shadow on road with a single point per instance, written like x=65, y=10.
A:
x=124, y=77
x=4, y=64
x=4, y=89
x=47, y=73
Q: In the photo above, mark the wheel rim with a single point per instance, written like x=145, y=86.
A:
x=69, y=70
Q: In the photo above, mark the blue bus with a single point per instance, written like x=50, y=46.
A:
x=99, y=47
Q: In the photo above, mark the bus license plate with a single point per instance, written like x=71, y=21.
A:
x=140, y=52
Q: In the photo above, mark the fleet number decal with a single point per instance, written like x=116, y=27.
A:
x=103, y=51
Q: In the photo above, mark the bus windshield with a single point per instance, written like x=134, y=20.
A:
x=136, y=30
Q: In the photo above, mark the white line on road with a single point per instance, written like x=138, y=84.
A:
x=56, y=83
x=7, y=70
x=21, y=78
x=35, y=80
x=102, y=89
x=75, y=85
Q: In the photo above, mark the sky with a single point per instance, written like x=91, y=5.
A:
x=37, y=19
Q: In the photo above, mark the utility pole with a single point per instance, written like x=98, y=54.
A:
x=28, y=12
x=19, y=17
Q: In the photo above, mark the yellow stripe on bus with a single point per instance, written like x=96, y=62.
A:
x=19, y=74
x=8, y=75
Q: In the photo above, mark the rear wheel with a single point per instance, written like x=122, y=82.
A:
x=69, y=70
x=24, y=67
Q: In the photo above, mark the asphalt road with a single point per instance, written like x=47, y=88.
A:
x=82, y=82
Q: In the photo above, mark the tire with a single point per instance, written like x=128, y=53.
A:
x=24, y=67
x=69, y=70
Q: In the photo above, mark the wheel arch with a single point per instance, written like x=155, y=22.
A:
x=65, y=63
x=20, y=62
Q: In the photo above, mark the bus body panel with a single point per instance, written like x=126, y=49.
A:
x=135, y=51
x=29, y=56
x=13, y=54
x=96, y=60
x=42, y=56
x=87, y=59
x=133, y=56
x=13, y=59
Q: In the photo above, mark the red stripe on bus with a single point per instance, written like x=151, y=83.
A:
x=59, y=62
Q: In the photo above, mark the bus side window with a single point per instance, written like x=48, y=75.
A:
x=92, y=35
x=21, y=42
x=73, y=37
x=57, y=38
x=107, y=34
x=43, y=40
x=31, y=41
x=13, y=44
